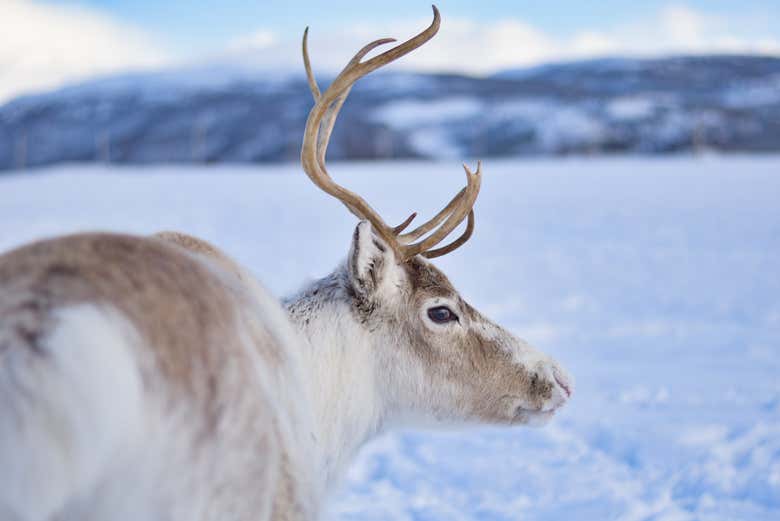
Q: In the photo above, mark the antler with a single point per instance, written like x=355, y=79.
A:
x=319, y=126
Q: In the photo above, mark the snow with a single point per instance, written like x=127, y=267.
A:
x=631, y=108
x=434, y=126
x=434, y=142
x=753, y=93
x=429, y=122
x=557, y=126
x=569, y=127
x=654, y=281
x=404, y=114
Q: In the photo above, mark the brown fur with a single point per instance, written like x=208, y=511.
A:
x=176, y=303
x=185, y=310
x=482, y=362
x=201, y=247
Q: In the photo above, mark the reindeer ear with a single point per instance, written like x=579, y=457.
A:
x=371, y=261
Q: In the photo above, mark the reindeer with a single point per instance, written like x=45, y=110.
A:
x=152, y=378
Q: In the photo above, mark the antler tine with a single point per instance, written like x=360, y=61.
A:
x=454, y=245
x=367, y=48
x=401, y=227
x=404, y=48
x=315, y=89
x=433, y=222
x=459, y=213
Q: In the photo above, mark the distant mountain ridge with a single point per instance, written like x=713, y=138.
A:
x=605, y=106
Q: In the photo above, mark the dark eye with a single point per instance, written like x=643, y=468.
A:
x=442, y=314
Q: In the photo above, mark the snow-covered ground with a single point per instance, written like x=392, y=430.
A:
x=656, y=282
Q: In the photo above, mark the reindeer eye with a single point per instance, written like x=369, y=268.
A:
x=442, y=315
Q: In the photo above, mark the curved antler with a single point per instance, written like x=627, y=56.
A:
x=316, y=137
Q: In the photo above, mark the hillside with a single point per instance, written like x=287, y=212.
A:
x=217, y=114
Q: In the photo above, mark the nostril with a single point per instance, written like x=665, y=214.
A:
x=562, y=381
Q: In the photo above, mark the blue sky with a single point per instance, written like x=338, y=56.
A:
x=46, y=43
x=201, y=25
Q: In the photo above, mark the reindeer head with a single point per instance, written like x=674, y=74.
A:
x=437, y=357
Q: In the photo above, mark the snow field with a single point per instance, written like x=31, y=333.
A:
x=654, y=281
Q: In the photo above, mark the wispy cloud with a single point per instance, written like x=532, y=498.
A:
x=678, y=28
x=464, y=45
x=43, y=46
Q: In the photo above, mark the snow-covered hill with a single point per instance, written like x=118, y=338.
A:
x=230, y=114
x=655, y=282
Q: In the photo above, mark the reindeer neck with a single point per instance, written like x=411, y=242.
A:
x=339, y=370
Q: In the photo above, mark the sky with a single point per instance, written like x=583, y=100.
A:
x=48, y=43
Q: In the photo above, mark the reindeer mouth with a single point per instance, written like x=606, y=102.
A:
x=519, y=413
x=533, y=417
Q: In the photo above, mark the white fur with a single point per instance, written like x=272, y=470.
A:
x=66, y=413
x=340, y=378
